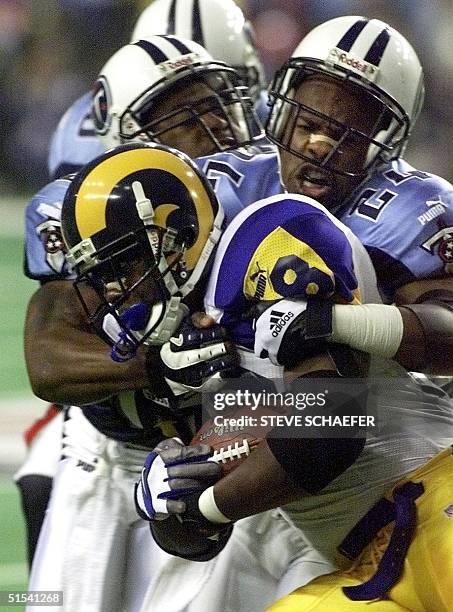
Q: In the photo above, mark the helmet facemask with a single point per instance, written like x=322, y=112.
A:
x=136, y=281
x=383, y=139
x=227, y=99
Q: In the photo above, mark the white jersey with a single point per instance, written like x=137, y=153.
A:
x=280, y=235
x=414, y=422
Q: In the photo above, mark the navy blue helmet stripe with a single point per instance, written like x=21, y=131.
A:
x=376, y=51
x=156, y=54
x=351, y=35
x=171, y=18
x=197, y=30
x=182, y=48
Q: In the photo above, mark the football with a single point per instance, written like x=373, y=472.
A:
x=235, y=434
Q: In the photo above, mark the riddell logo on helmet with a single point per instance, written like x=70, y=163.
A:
x=337, y=56
x=184, y=60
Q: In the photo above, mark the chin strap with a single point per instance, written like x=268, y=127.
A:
x=139, y=319
x=175, y=312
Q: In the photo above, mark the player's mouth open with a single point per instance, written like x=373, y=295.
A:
x=314, y=183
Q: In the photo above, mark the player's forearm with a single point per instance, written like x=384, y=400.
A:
x=98, y=378
x=65, y=362
x=283, y=470
x=79, y=369
x=417, y=331
x=259, y=484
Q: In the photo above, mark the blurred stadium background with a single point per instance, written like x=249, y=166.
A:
x=50, y=53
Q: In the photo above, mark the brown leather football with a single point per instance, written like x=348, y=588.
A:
x=234, y=434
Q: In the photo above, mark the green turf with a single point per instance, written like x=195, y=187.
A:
x=15, y=291
x=12, y=526
x=13, y=570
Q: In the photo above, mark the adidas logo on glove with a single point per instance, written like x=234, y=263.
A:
x=278, y=320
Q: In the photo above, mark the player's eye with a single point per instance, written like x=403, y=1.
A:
x=305, y=125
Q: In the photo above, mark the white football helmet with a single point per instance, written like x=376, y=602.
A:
x=217, y=25
x=141, y=74
x=371, y=56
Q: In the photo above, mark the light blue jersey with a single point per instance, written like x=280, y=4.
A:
x=74, y=142
x=404, y=218
x=44, y=248
x=243, y=176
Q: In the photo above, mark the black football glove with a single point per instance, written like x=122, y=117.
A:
x=197, y=359
x=288, y=331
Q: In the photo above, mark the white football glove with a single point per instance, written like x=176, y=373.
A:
x=173, y=472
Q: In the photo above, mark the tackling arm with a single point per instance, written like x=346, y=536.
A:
x=66, y=362
x=417, y=332
x=276, y=473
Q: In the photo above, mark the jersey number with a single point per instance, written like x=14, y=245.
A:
x=215, y=168
x=372, y=202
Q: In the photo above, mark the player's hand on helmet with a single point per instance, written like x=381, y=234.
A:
x=171, y=474
x=198, y=357
x=289, y=330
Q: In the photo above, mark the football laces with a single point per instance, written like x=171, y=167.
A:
x=232, y=452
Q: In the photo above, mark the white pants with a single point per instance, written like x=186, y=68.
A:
x=45, y=451
x=94, y=549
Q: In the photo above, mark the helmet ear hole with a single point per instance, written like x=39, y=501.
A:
x=187, y=235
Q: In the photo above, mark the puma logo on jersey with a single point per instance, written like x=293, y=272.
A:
x=260, y=278
x=437, y=209
x=278, y=320
x=86, y=467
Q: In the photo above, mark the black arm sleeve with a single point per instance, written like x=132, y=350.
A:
x=312, y=463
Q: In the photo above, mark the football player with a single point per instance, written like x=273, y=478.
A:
x=75, y=142
x=342, y=110
x=149, y=90
x=138, y=254
x=275, y=251
x=178, y=95
x=210, y=122
x=158, y=208
x=217, y=25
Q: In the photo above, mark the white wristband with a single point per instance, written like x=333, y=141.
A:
x=209, y=509
x=376, y=329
